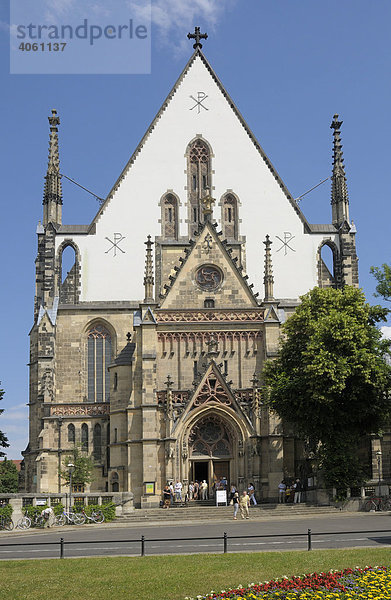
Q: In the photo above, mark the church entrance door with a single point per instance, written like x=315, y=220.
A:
x=201, y=470
x=220, y=470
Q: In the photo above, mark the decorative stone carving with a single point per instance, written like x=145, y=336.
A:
x=75, y=410
x=195, y=316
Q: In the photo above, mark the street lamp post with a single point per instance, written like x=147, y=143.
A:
x=378, y=456
x=71, y=467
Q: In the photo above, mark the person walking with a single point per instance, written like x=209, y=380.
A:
x=281, y=492
x=235, y=500
x=244, y=504
x=251, y=493
x=298, y=490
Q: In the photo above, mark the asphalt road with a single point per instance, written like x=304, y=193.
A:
x=342, y=531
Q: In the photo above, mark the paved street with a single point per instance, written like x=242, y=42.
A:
x=337, y=531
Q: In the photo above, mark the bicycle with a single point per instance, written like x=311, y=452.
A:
x=377, y=503
x=24, y=523
x=96, y=516
x=70, y=518
x=6, y=523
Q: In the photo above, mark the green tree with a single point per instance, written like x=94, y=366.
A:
x=3, y=440
x=8, y=477
x=330, y=380
x=383, y=278
x=82, y=473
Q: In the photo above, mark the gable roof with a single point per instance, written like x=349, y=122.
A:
x=198, y=54
x=213, y=390
x=225, y=250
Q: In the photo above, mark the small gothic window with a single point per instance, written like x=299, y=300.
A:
x=209, y=303
x=68, y=268
x=170, y=217
x=115, y=435
x=84, y=437
x=229, y=217
x=71, y=434
x=97, y=442
x=115, y=381
x=199, y=179
x=99, y=358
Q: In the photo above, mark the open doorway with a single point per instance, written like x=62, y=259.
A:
x=200, y=470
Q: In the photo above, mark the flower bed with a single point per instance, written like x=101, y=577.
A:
x=372, y=583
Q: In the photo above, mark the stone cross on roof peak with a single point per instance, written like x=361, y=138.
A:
x=197, y=36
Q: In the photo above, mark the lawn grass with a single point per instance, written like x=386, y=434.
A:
x=166, y=577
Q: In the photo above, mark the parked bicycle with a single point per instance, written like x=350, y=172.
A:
x=71, y=518
x=6, y=523
x=26, y=522
x=96, y=516
x=377, y=503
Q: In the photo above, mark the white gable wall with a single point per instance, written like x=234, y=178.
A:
x=134, y=210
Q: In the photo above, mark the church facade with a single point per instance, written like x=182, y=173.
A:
x=148, y=352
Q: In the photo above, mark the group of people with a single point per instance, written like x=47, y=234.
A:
x=290, y=491
x=242, y=502
x=175, y=492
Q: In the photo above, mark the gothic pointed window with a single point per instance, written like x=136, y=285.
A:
x=69, y=269
x=199, y=180
x=99, y=359
x=97, y=442
x=84, y=437
x=229, y=217
x=170, y=217
x=71, y=434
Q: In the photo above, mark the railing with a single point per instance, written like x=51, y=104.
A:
x=224, y=539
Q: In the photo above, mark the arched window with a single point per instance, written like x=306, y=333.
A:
x=68, y=282
x=229, y=217
x=99, y=359
x=209, y=303
x=84, y=437
x=199, y=180
x=71, y=434
x=97, y=442
x=329, y=271
x=115, y=482
x=170, y=217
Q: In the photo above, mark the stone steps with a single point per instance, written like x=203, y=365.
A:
x=196, y=513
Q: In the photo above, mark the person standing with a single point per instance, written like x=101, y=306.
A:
x=298, y=490
x=251, y=492
x=244, y=504
x=281, y=492
x=204, y=490
x=166, y=497
x=235, y=500
x=178, y=491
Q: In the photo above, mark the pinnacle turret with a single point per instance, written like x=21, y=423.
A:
x=148, y=278
x=52, y=197
x=339, y=191
x=268, y=279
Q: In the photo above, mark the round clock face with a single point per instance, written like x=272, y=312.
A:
x=208, y=277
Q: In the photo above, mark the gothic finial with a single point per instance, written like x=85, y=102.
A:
x=169, y=382
x=197, y=36
x=148, y=278
x=129, y=336
x=268, y=279
x=254, y=381
x=339, y=191
x=52, y=196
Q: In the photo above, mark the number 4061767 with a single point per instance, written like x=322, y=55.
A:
x=42, y=47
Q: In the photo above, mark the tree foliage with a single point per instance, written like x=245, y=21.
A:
x=3, y=440
x=82, y=473
x=9, y=477
x=383, y=278
x=330, y=379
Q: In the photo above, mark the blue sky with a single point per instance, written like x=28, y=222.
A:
x=289, y=66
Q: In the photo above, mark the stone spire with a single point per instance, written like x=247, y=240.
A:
x=148, y=278
x=268, y=279
x=339, y=191
x=52, y=197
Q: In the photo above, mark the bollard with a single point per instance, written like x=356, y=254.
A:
x=61, y=547
x=225, y=542
x=142, y=546
x=309, y=540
